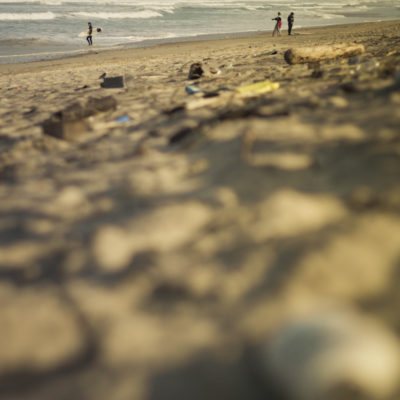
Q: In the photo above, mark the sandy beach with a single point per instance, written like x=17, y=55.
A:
x=176, y=238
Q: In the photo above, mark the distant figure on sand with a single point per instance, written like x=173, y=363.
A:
x=89, y=34
x=290, y=21
x=278, y=25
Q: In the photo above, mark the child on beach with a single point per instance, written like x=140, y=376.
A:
x=89, y=34
x=290, y=21
x=278, y=25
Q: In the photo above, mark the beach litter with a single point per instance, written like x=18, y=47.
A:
x=195, y=71
x=71, y=123
x=267, y=53
x=206, y=93
x=192, y=89
x=257, y=88
x=113, y=82
x=123, y=119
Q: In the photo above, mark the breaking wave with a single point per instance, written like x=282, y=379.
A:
x=27, y=16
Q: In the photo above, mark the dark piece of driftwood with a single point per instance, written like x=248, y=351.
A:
x=318, y=53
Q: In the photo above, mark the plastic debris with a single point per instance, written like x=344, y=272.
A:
x=257, y=88
x=196, y=71
x=123, y=119
x=113, y=82
x=192, y=89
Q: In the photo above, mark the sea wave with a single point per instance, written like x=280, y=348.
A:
x=117, y=15
x=27, y=16
x=22, y=42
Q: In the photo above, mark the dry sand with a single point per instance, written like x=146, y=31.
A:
x=212, y=246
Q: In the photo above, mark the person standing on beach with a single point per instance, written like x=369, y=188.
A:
x=290, y=21
x=278, y=25
x=89, y=34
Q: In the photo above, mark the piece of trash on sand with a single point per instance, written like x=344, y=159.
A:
x=113, y=82
x=257, y=88
x=267, y=53
x=214, y=71
x=196, y=71
x=123, y=119
x=82, y=88
x=192, y=89
x=71, y=122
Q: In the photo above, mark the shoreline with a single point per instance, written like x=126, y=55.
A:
x=154, y=43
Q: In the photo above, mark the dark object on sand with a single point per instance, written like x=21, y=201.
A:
x=196, y=71
x=318, y=53
x=113, y=82
x=317, y=73
x=71, y=122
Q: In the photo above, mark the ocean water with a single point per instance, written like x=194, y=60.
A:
x=40, y=29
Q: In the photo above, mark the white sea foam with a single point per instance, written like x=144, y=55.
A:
x=27, y=16
x=118, y=15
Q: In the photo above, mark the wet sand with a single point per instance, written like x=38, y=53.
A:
x=215, y=245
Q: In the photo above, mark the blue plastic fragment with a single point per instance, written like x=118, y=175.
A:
x=124, y=118
x=192, y=89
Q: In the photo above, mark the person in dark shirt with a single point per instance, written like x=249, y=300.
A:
x=290, y=21
x=278, y=25
x=89, y=34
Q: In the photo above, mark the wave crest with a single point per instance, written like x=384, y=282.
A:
x=27, y=16
x=119, y=15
